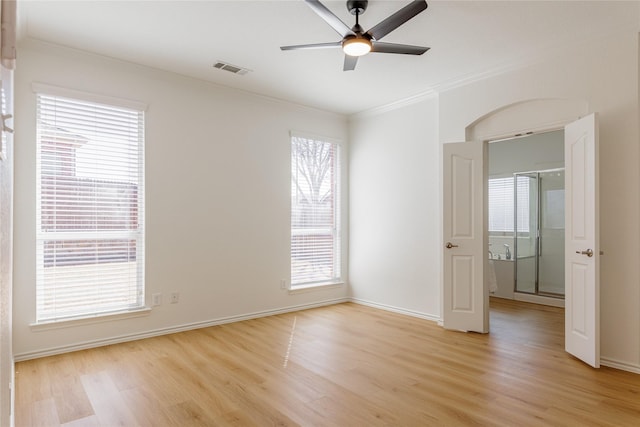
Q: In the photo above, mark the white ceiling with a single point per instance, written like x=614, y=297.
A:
x=467, y=39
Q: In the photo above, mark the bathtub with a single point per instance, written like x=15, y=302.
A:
x=504, y=269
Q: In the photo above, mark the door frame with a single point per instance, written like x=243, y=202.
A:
x=555, y=127
x=485, y=142
x=519, y=118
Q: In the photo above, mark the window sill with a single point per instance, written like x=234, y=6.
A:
x=314, y=287
x=88, y=320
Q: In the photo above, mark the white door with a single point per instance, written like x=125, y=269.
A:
x=582, y=253
x=465, y=293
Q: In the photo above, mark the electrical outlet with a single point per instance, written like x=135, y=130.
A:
x=156, y=299
x=175, y=297
x=283, y=284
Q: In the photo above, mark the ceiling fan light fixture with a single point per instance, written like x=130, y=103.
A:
x=356, y=46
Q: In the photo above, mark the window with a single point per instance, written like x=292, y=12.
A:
x=90, y=209
x=501, y=205
x=315, y=212
x=6, y=95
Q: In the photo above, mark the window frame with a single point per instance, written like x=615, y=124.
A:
x=42, y=317
x=335, y=229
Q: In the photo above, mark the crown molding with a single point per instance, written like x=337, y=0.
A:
x=498, y=70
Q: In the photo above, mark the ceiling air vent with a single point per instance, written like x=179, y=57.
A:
x=231, y=68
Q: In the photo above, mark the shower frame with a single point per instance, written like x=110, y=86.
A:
x=538, y=243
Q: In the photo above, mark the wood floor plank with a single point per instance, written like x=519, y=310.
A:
x=91, y=421
x=34, y=375
x=341, y=365
x=107, y=402
x=147, y=410
x=189, y=413
x=43, y=413
x=71, y=400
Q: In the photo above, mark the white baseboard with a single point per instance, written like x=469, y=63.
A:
x=616, y=364
x=165, y=331
x=399, y=310
x=611, y=363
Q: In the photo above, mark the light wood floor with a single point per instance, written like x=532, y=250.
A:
x=344, y=365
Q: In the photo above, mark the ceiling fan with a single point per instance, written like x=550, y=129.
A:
x=355, y=42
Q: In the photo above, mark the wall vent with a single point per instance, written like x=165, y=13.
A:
x=231, y=68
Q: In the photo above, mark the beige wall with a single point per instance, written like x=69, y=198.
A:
x=217, y=197
x=394, y=209
x=607, y=82
x=217, y=190
x=6, y=270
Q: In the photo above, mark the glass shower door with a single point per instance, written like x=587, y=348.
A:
x=551, y=244
x=526, y=228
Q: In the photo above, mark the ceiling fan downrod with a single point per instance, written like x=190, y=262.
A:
x=357, y=7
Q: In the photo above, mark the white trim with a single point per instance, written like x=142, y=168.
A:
x=335, y=231
x=314, y=287
x=499, y=70
x=89, y=320
x=623, y=366
x=398, y=310
x=87, y=96
x=442, y=87
x=395, y=105
x=51, y=351
x=552, y=126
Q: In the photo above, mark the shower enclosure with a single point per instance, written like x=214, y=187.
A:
x=539, y=233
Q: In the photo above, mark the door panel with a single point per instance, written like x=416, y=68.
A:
x=582, y=253
x=462, y=200
x=462, y=283
x=465, y=297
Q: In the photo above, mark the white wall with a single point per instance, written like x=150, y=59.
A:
x=395, y=215
x=529, y=153
x=608, y=82
x=218, y=189
x=602, y=73
x=216, y=156
x=6, y=270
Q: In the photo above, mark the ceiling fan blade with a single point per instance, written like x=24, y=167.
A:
x=394, y=21
x=312, y=46
x=350, y=63
x=404, y=49
x=331, y=19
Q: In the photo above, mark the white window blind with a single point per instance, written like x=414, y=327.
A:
x=90, y=209
x=501, y=205
x=6, y=125
x=315, y=211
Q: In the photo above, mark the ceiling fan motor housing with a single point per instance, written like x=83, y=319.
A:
x=357, y=7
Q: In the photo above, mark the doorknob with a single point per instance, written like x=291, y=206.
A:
x=588, y=253
x=450, y=245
